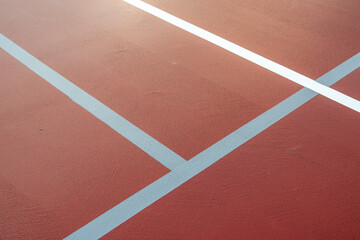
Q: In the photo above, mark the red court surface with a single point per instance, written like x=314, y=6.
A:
x=173, y=103
x=61, y=167
x=56, y=179
x=298, y=180
x=310, y=37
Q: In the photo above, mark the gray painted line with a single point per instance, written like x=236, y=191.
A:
x=151, y=146
x=164, y=185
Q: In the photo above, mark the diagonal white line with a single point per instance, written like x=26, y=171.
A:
x=151, y=146
x=161, y=187
x=253, y=57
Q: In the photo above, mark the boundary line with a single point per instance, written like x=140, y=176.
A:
x=148, y=144
x=122, y=212
x=248, y=55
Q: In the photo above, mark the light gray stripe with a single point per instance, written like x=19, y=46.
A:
x=153, y=192
x=148, y=144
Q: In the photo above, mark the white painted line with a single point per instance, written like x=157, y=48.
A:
x=153, y=192
x=148, y=144
x=252, y=57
